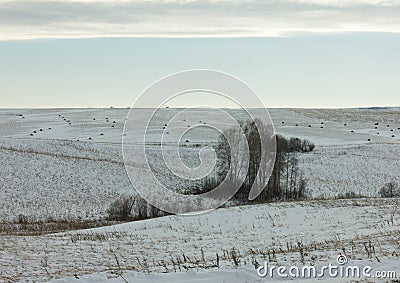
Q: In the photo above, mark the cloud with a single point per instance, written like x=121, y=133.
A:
x=192, y=18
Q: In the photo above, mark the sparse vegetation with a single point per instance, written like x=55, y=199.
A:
x=349, y=195
x=390, y=190
x=121, y=209
x=236, y=237
x=131, y=208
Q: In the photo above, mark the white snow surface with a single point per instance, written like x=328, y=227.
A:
x=53, y=175
x=60, y=173
x=272, y=232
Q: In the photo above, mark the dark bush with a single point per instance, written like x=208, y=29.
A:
x=299, y=145
x=390, y=190
x=121, y=208
x=349, y=195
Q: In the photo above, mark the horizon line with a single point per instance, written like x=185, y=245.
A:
x=183, y=107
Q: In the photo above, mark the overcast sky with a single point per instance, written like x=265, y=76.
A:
x=21, y=19
x=302, y=53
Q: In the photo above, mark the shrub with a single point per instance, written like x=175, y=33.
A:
x=349, y=195
x=121, y=208
x=307, y=146
x=299, y=145
x=23, y=219
x=390, y=190
x=141, y=209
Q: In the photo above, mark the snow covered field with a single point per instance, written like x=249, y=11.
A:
x=73, y=168
x=66, y=164
x=310, y=233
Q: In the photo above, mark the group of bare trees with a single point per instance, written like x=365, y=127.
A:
x=241, y=169
x=286, y=182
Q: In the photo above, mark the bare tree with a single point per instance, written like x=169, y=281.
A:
x=141, y=208
x=231, y=156
x=285, y=183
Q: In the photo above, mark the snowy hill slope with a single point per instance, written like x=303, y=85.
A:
x=66, y=164
x=298, y=233
x=73, y=168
